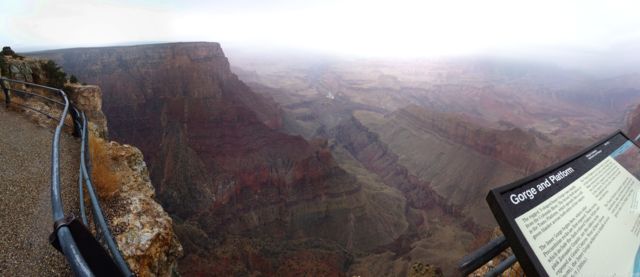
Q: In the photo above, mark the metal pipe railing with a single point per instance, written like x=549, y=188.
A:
x=35, y=110
x=482, y=255
x=67, y=243
x=98, y=216
x=83, y=214
x=66, y=240
x=496, y=271
x=56, y=198
x=72, y=253
x=38, y=95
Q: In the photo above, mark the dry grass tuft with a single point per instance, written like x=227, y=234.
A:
x=104, y=175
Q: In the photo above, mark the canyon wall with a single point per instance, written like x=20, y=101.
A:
x=245, y=196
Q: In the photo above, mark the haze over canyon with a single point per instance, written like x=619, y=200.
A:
x=285, y=164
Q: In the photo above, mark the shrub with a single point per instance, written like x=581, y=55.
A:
x=103, y=175
x=55, y=76
x=73, y=79
x=7, y=51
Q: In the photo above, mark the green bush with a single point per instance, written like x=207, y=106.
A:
x=55, y=76
x=7, y=51
x=73, y=79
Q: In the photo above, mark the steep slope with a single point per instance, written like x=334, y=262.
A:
x=461, y=158
x=633, y=122
x=246, y=197
x=439, y=233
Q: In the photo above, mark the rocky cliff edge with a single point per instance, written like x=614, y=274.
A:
x=143, y=230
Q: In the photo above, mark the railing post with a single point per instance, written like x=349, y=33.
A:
x=7, y=98
x=77, y=125
x=481, y=256
x=502, y=266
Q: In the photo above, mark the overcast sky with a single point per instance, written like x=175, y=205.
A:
x=367, y=27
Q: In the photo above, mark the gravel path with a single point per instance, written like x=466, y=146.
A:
x=25, y=196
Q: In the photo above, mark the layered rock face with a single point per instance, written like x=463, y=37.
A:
x=89, y=99
x=246, y=197
x=508, y=144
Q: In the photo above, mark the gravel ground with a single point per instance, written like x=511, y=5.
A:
x=25, y=196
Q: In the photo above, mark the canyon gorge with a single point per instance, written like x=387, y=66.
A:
x=285, y=165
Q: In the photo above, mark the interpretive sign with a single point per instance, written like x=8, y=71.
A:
x=580, y=217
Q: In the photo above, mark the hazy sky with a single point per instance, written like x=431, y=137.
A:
x=377, y=28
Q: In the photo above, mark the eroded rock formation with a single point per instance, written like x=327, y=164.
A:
x=88, y=98
x=142, y=229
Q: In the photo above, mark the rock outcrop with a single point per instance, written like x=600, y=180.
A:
x=142, y=229
x=88, y=98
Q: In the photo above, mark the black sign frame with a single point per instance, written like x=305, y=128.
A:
x=506, y=217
